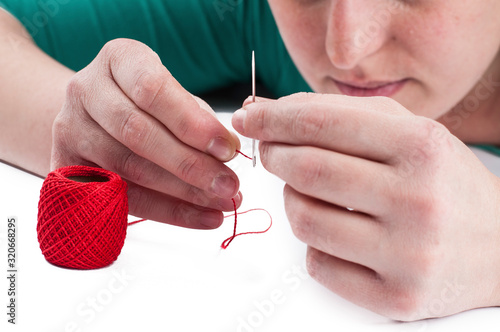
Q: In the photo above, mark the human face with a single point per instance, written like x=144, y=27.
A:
x=426, y=54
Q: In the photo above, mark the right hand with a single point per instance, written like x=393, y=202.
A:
x=126, y=113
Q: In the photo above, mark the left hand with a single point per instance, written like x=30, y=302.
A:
x=422, y=236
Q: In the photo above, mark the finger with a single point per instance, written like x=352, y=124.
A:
x=127, y=164
x=345, y=234
x=142, y=77
x=379, y=104
x=136, y=169
x=149, y=139
x=330, y=176
x=354, y=282
x=203, y=104
x=351, y=127
x=152, y=205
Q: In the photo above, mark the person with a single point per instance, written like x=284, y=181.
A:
x=396, y=210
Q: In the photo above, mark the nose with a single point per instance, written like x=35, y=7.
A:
x=356, y=29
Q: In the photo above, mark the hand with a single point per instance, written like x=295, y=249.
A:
x=421, y=237
x=126, y=113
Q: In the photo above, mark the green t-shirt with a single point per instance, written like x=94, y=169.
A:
x=206, y=44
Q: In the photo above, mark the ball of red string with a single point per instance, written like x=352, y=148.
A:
x=82, y=217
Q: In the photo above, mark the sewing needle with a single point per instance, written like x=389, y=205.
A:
x=254, y=158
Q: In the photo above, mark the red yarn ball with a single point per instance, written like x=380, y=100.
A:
x=82, y=217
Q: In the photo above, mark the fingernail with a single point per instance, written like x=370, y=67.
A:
x=248, y=100
x=224, y=186
x=238, y=120
x=228, y=205
x=221, y=149
x=211, y=220
x=239, y=198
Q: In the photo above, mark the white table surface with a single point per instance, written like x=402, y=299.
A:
x=175, y=279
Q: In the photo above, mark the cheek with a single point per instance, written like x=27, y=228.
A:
x=303, y=30
x=447, y=51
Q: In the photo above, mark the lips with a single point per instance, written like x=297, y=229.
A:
x=372, y=89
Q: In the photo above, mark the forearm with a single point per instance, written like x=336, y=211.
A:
x=32, y=91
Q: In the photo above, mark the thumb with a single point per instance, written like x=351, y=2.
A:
x=257, y=99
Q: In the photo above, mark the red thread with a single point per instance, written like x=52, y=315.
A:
x=244, y=155
x=227, y=241
x=136, y=222
x=82, y=225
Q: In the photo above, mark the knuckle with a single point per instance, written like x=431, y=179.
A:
x=140, y=201
x=261, y=122
x=429, y=139
x=128, y=164
x=427, y=262
x=265, y=153
x=60, y=130
x=190, y=123
x=314, y=264
x=183, y=127
x=427, y=258
x=426, y=208
x=114, y=49
x=427, y=148
x=198, y=197
x=310, y=172
x=76, y=87
x=117, y=49
x=181, y=212
x=115, y=44
x=63, y=136
x=136, y=132
x=308, y=125
x=85, y=146
x=147, y=79
x=404, y=303
x=146, y=89
x=189, y=167
x=301, y=222
x=431, y=208
x=111, y=53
